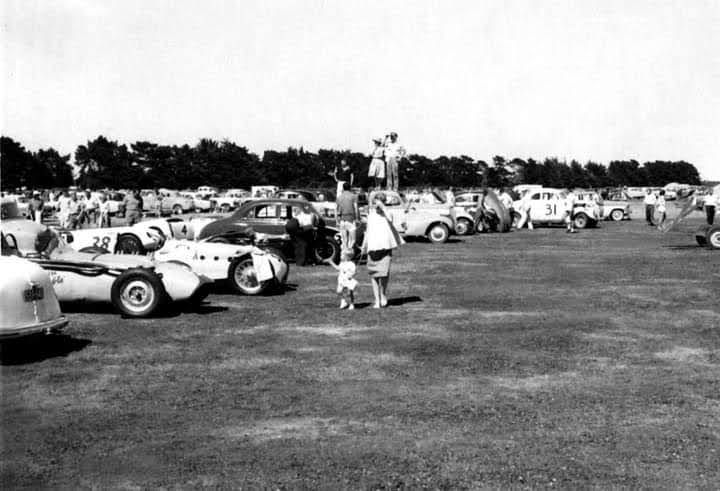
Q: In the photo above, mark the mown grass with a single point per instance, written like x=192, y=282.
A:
x=525, y=359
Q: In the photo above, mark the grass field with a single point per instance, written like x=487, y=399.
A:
x=528, y=359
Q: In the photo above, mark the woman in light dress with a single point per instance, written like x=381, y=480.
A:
x=381, y=238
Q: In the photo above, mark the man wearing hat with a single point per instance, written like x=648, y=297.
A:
x=394, y=153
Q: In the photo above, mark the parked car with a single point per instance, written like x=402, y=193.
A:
x=27, y=299
x=136, y=286
x=201, y=204
x=412, y=221
x=610, y=209
x=433, y=201
x=172, y=202
x=547, y=206
x=323, y=202
x=267, y=217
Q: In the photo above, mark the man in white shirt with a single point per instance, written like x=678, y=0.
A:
x=712, y=202
x=394, y=153
x=650, y=200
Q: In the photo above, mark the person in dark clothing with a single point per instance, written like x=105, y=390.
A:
x=302, y=239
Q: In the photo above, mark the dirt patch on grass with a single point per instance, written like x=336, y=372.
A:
x=305, y=428
x=681, y=354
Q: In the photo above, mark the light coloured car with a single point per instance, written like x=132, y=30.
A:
x=547, y=206
x=433, y=201
x=27, y=299
x=200, y=202
x=616, y=207
x=136, y=286
x=247, y=269
x=412, y=221
x=172, y=202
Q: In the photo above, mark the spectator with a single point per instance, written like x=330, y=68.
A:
x=712, y=202
x=64, y=209
x=133, y=207
x=103, y=211
x=36, y=207
x=343, y=174
x=660, y=204
x=348, y=215
x=394, y=153
x=650, y=200
x=569, y=208
x=377, y=163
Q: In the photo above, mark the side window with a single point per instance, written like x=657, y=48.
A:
x=393, y=200
x=287, y=212
x=535, y=196
x=266, y=211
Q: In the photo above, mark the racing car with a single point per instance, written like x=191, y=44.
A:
x=136, y=286
x=248, y=269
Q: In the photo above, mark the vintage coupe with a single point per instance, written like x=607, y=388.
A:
x=433, y=201
x=413, y=220
x=136, y=286
x=27, y=299
x=267, y=219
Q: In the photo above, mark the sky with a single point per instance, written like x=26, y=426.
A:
x=576, y=79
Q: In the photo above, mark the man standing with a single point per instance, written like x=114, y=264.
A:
x=712, y=201
x=347, y=214
x=342, y=175
x=133, y=207
x=506, y=200
x=650, y=202
x=569, y=208
x=394, y=153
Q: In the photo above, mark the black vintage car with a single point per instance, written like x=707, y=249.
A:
x=267, y=219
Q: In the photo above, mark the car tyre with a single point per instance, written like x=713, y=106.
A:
x=129, y=244
x=137, y=292
x=177, y=210
x=438, y=233
x=225, y=208
x=581, y=220
x=463, y=226
x=713, y=238
x=617, y=215
x=326, y=248
x=243, y=279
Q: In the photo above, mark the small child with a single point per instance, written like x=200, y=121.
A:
x=346, y=282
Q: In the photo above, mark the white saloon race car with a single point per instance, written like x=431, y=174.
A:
x=136, y=286
x=547, y=206
x=27, y=300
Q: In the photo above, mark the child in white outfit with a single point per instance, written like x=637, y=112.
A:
x=346, y=281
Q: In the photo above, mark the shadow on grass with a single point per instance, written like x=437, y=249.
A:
x=33, y=349
x=165, y=312
x=684, y=247
x=392, y=302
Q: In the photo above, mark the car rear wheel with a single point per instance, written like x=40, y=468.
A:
x=137, y=293
x=243, y=277
x=463, y=226
x=327, y=248
x=225, y=208
x=617, y=215
x=129, y=244
x=713, y=238
x=580, y=220
x=438, y=233
x=177, y=210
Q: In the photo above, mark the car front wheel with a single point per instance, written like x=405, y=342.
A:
x=137, y=293
x=438, y=233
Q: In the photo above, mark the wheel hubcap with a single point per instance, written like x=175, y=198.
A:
x=137, y=295
x=715, y=239
x=245, y=275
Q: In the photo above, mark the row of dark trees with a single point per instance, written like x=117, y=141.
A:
x=103, y=163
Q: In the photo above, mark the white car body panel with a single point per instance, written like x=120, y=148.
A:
x=28, y=301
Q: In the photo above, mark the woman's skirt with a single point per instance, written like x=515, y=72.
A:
x=378, y=263
x=377, y=168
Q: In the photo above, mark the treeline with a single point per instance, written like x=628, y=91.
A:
x=102, y=163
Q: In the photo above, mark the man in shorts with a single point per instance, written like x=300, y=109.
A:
x=347, y=215
x=394, y=153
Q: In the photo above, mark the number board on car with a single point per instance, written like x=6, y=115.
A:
x=33, y=293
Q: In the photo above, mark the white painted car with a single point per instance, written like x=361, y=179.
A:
x=247, y=269
x=547, y=206
x=433, y=201
x=27, y=300
x=435, y=224
x=136, y=285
